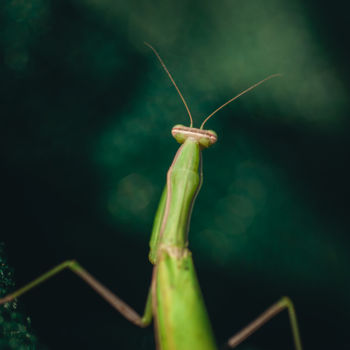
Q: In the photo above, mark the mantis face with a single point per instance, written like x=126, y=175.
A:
x=205, y=138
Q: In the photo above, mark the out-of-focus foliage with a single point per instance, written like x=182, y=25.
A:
x=86, y=115
x=15, y=328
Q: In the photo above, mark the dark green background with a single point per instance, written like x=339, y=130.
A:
x=86, y=114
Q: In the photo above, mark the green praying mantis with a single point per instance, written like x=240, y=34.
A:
x=174, y=299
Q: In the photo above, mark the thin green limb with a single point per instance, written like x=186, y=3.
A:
x=129, y=313
x=158, y=219
x=286, y=302
x=147, y=314
x=283, y=303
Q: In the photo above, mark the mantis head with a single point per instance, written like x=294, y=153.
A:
x=205, y=138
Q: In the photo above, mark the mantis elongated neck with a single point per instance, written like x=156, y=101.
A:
x=184, y=179
x=183, y=184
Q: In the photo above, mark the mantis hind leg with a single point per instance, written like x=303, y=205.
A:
x=273, y=310
x=129, y=313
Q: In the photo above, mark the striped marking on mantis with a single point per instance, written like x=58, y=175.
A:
x=175, y=300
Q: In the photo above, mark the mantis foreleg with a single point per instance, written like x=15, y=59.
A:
x=129, y=313
x=272, y=311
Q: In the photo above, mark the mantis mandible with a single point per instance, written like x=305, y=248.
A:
x=174, y=299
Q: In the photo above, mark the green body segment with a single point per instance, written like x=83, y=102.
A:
x=173, y=214
x=181, y=318
x=183, y=181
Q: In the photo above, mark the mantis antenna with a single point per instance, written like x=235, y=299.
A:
x=218, y=109
x=172, y=80
x=240, y=94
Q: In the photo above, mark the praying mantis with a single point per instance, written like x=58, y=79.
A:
x=174, y=299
